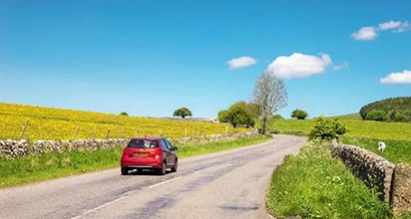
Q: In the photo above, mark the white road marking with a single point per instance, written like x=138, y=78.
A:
x=99, y=207
x=198, y=171
x=160, y=183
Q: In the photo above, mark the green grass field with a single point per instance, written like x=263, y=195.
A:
x=313, y=185
x=365, y=134
x=352, y=116
x=355, y=128
x=47, y=166
x=397, y=151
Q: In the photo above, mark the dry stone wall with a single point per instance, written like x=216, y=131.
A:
x=374, y=170
x=11, y=149
x=401, y=189
x=393, y=182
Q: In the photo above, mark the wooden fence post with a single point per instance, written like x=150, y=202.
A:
x=94, y=132
x=108, y=134
x=75, y=133
x=24, y=129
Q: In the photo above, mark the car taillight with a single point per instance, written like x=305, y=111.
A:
x=156, y=153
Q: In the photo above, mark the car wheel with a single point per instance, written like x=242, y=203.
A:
x=124, y=171
x=162, y=171
x=174, y=168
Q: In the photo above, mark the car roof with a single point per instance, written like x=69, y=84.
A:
x=147, y=138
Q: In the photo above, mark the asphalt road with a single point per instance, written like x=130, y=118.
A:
x=230, y=184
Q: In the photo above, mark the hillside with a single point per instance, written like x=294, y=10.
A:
x=352, y=116
x=396, y=109
x=54, y=123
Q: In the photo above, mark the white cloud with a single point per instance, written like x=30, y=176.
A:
x=398, y=26
x=339, y=67
x=241, y=62
x=299, y=65
x=403, y=27
x=397, y=78
x=389, y=25
x=370, y=32
x=365, y=33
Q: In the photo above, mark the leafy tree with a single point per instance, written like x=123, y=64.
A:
x=396, y=116
x=254, y=110
x=124, y=114
x=271, y=95
x=377, y=115
x=399, y=117
x=299, y=114
x=327, y=128
x=182, y=112
x=223, y=116
x=237, y=114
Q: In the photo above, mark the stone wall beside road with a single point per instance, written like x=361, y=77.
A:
x=392, y=181
x=12, y=148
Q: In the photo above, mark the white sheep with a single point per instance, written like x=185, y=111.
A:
x=381, y=146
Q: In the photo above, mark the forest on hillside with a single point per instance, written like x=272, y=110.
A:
x=396, y=109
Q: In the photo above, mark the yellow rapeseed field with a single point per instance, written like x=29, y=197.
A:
x=52, y=123
x=355, y=128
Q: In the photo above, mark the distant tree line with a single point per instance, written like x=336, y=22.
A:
x=397, y=109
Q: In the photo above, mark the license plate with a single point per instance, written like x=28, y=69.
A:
x=141, y=154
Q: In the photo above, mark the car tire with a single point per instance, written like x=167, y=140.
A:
x=162, y=171
x=174, y=168
x=124, y=171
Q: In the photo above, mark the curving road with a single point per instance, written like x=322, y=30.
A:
x=230, y=184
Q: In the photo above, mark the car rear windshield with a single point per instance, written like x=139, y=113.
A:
x=143, y=143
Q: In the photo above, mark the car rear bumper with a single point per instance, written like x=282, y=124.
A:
x=135, y=165
x=140, y=166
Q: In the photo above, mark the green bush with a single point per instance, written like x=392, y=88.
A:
x=299, y=114
x=376, y=115
x=277, y=117
x=327, y=128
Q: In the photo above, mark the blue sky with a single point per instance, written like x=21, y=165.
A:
x=150, y=57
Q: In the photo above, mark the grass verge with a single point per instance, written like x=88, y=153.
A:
x=193, y=150
x=314, y=185
x=54, y=165
x=397, y=151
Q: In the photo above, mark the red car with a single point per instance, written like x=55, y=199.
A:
x=154, y=153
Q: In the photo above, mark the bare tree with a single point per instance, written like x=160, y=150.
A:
x=270, y=94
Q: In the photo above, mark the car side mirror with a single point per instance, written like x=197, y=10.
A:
x=175, y=148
